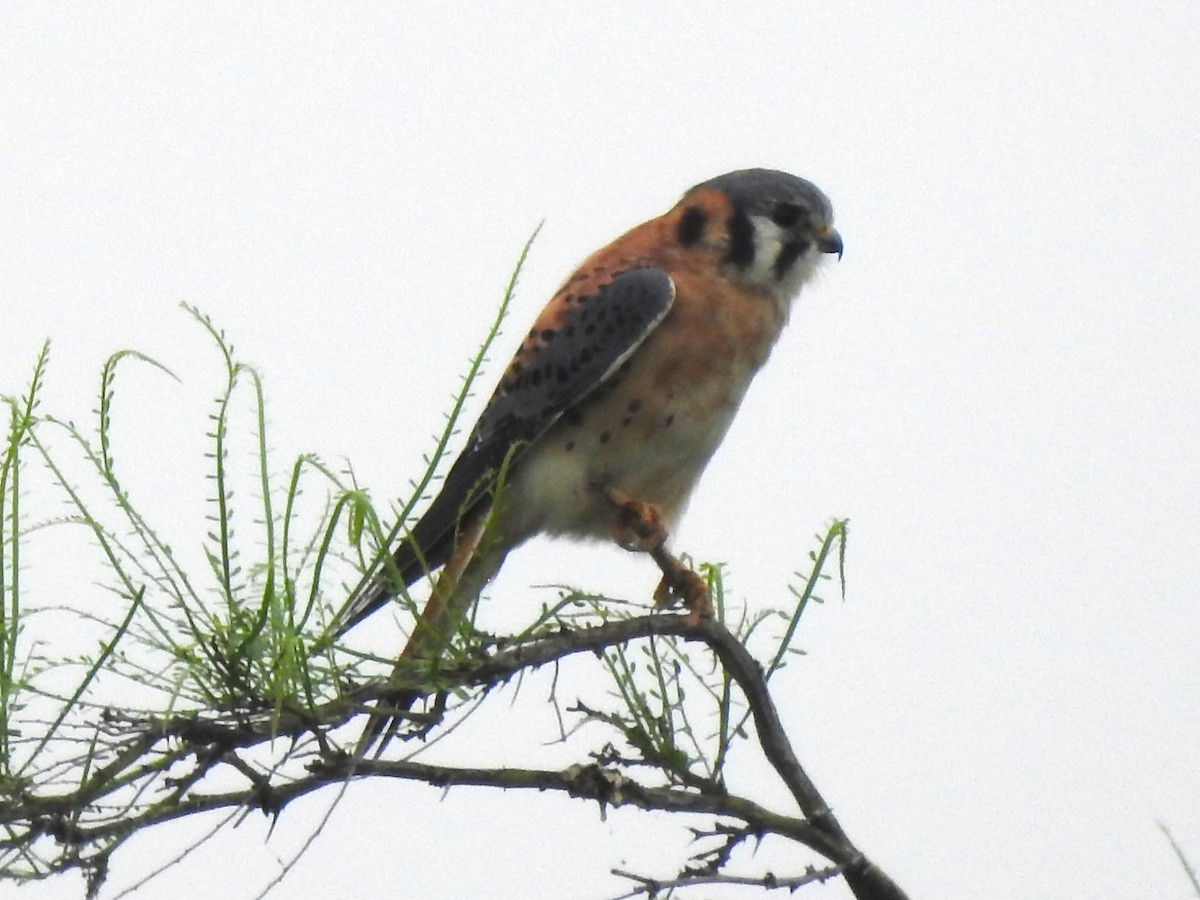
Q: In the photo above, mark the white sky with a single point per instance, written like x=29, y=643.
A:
x=998, y=384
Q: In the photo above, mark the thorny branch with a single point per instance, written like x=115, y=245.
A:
x=143, y=755
x=769, y=882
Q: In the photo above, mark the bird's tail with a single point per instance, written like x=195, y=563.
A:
x=472, y=564
x=409, y=564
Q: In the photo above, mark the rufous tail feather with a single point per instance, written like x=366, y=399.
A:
x=473, y=563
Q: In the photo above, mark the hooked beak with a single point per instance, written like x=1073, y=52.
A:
x=829, y=241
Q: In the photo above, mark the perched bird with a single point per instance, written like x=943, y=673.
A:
x=619, y=395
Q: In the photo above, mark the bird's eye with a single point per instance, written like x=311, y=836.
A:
x=785, y=215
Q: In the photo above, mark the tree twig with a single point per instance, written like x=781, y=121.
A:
x=150, y=746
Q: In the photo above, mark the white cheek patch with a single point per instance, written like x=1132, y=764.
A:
x=769, y=242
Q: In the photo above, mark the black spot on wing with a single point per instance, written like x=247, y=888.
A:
x=591, y=345
x=575, y=361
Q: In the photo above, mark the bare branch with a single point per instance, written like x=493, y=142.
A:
x=150, y=747
x=651, y=887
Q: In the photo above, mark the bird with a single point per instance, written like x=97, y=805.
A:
x=616, y=399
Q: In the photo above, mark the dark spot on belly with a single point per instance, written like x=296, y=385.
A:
x=547, y=333
x=670, y=420
x=625, y=421
x=604, y=436
x=635, y=405
x=569, y=446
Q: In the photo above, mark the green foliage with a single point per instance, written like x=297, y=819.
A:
x=241, y=637
x=233, y=640
x=239, y=640
x=170, y=636
x=21, y=418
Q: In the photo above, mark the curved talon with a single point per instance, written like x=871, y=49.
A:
x=680, y=581
x=638, y=526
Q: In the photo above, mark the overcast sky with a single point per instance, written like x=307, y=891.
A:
x=998, y=384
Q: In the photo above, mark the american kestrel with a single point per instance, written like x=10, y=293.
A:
x=619, y=395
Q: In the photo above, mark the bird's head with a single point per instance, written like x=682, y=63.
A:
x=770, y=228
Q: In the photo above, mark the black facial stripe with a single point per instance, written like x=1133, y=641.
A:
x=741, y=239
x=788, y=254
x=691, y=226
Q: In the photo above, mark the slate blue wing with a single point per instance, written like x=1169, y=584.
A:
x=591, y=342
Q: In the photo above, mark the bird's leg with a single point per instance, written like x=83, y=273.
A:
x=638, y=527
x=680, y=581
